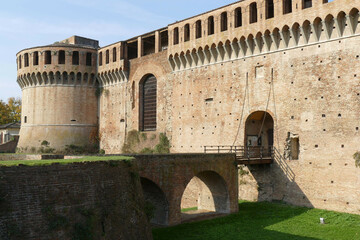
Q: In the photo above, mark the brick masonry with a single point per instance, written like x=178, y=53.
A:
x=100, y=199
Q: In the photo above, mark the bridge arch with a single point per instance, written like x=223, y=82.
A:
x=206, y=193
x=156, y=203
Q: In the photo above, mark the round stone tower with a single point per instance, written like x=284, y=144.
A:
x=59, y=96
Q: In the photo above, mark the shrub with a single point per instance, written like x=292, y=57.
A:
x=357, y=159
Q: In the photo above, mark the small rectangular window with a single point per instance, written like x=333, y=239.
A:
x=88, y=59
x=25, y=119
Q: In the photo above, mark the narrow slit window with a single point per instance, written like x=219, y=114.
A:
x=75, y=58
x=238, y=17
x=186, y=33
x=211, y=25
x=61, y=57
x=47, y=57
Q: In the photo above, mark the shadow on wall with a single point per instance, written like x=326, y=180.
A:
x=276, y=182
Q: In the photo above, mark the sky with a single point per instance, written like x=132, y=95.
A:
x=25, y=24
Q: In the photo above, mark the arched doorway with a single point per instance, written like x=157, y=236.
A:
x=148, y=103
x=205, y=195
x=156, y=204
x=259, y=134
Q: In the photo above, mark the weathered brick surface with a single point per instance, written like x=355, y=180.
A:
x=63, y=201
x=172, y=173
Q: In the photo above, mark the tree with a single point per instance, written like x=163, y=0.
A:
x=11, y=111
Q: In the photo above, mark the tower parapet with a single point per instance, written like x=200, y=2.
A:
x=59, y=102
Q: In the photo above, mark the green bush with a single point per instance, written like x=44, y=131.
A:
x=357, y=159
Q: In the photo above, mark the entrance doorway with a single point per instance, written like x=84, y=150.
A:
x=259, y=134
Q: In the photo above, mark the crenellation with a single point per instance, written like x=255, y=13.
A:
x=209, y=80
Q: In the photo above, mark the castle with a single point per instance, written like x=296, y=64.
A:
x=255, y=73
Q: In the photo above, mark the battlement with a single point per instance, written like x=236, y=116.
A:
x=250, y=28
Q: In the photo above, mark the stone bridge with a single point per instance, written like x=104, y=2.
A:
x=171, y=182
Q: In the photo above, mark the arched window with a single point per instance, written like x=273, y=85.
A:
x=176, y=36
x=253, y=12
x=211, y=25
x=114, y=54
x=186, y=33
x=19, y=61
x=269, y=9
x=36, y=58
x=75, y=58
x=198, y=29
x=26, y=60
x=306, y=4
x=100, y=58
x=287, y=6
x=47, y=57
x=148, y=101
x=224, y=21
x=88, y=59
x=61, y=57
x=238, y=17
x=107, y=57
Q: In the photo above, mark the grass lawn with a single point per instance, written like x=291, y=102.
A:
x=262, y=220
x=63, y=161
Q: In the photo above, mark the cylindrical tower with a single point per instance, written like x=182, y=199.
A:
x=59, y=96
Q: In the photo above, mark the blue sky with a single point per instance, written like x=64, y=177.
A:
x=25, y=23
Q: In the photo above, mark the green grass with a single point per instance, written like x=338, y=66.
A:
x=189, y=209
x=270, y=221
x=63, y=161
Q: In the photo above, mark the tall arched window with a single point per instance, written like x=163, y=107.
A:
x=61, y=59
x=211, y=25
x=26, y=60
x=148, y=101
x=47, y=57
x=100, y=58
x=287, y=6
x=306, y=4
x=176, y=36
x=238, y=17
x=187, y=32
x=19, y=62
x=75, y=58
x=198, y=29
x=224, y=21
x=36, y=58
x=269, y=9
x=107, y=57
x=114, y=54
x=253, y=12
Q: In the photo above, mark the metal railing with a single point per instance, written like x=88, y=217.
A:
x=242, y=152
